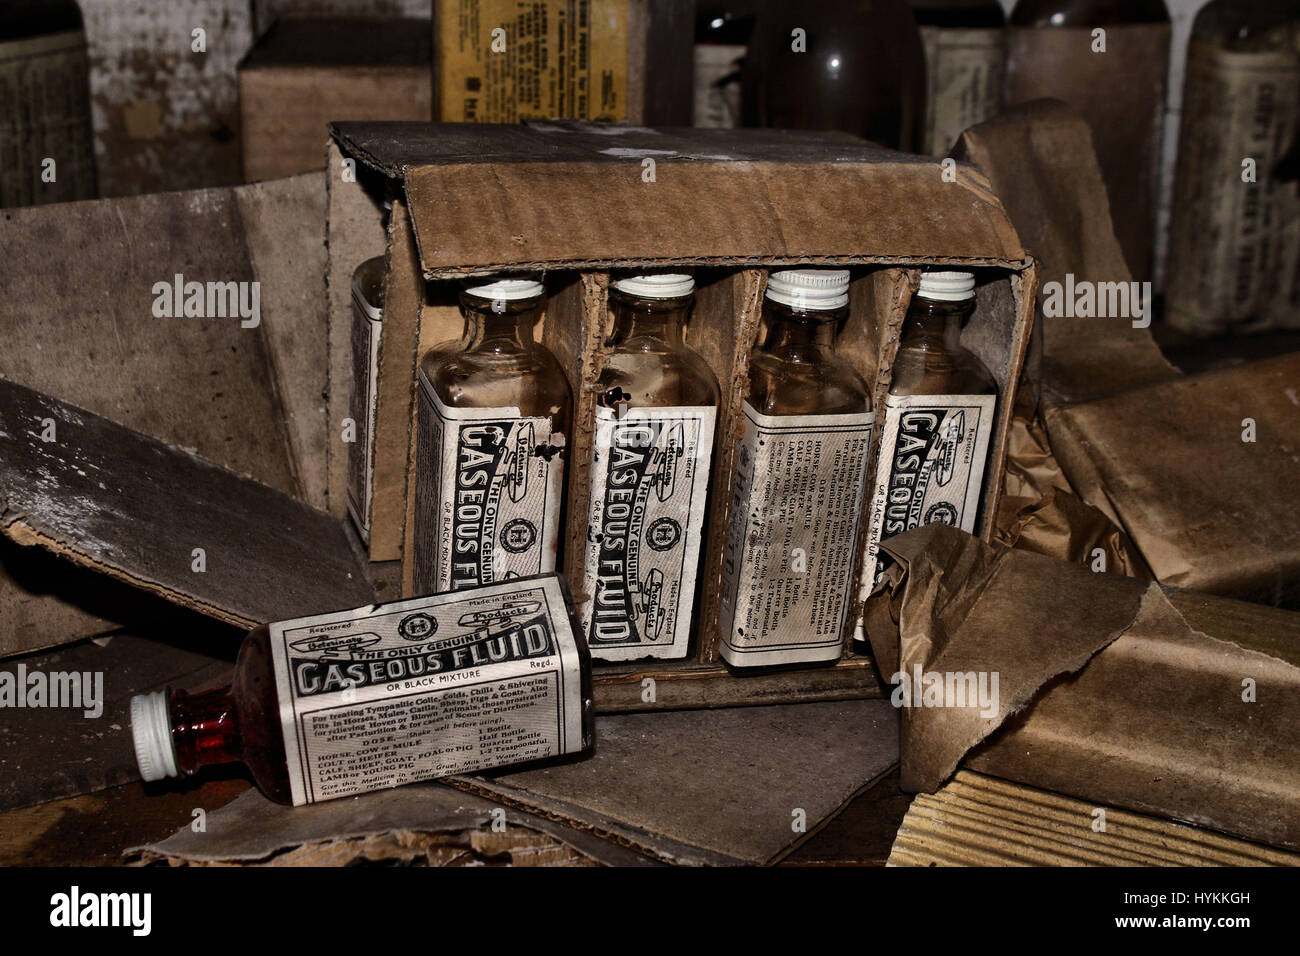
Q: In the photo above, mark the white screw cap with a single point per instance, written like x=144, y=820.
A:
x=657, y=285
x=816, y=290
x=151, y=727
x=947, y=286
x=508, y=290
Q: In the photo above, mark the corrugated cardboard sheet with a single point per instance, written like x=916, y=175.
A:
x=1107, y=690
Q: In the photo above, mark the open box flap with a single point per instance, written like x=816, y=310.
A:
x=135, y=508
x=563, y=195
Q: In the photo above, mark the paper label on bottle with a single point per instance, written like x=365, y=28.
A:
x=367, y=325
x=795, y=509
x=502, y=61
x=717, y=107
x=45, y=115
x=487, y=494
x=649, y=489
x=964, y=73
x=1234, y=255
x=930, y=469
x=391, y=694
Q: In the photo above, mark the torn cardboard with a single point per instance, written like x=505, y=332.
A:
x=425, y=823
x=975, y=820
x=1106, y=690
x=164, y=520
x=1200, y=472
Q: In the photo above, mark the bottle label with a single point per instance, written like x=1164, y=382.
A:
x=502, y=61
x=45, y=110
x=367, y=324
x=391, y=694
x=649, y=487
x=930, y=469
x=488, y=485
x=1234, y=255
x=796, y=504
x=717, y=107
x=964, y=72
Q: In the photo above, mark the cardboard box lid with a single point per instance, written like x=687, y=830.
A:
x=343, y=42
x=575, y=195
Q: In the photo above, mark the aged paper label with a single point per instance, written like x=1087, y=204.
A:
x=387, y=695
x=964, y=72
x=796, y=504
x=488, y=486
x=649, y=489
x=502, y=61
x=367, y=324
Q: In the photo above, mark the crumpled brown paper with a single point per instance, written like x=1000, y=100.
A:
x=1104, y=691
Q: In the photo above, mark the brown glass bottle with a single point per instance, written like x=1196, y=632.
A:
x=45, y=90
x=937, y=426
x=653, y=448
x=722, y=31
x=799, y=481
x=851, y=65
x=1052, y=52
x=238, y=723
x=965, y=67
x=495, y=412
x=1234, y=244
x=367, y=330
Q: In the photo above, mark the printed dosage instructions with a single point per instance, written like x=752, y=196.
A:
x=420, y=689
x=930, y=469
x=649, y=490
x=796, y=503
x=488, y=484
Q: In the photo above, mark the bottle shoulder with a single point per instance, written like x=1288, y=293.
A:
x=1087, y=13
x=945, y=371
x=531, y=379
x=820, y=382
x=664, y=376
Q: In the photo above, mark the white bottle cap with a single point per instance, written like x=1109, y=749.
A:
x=657, y=285
x=151, y=727
x=816, y=290
x=508, y=290
x=947, y=286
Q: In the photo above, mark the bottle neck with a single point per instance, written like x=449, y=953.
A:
x=799, y=336
x=647, y=324
x=932, y=325
x=508, y=328
x=204, y=729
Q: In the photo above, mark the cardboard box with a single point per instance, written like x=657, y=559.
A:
x=480, y=199
x=304, y=73
x=1106, y=688
x=500, y=61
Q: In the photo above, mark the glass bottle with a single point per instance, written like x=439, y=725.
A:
x=938, y=424
x=495, y=413
x=722, y=32
x=1053, y=50
x=47, y=143
x=851, y=65
x=1234, y=245
x=965, y=65
x=799, y=482
x=652, y=449
x=367, y=330
x=354, y=695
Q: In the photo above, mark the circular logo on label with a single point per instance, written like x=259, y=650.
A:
x=663, y=534
x=518, y=535
x=942, y=513
x=416, y=627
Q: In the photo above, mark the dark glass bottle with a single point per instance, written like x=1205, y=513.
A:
x=851, y=65
x=652, y=452
x=1234, y=244
x=722, y=31
x=1052, y=52
x=800, y=475
x=938, y=423
x=965, y=67
x=47, y=143
x=367, y=330
x=495, y=413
